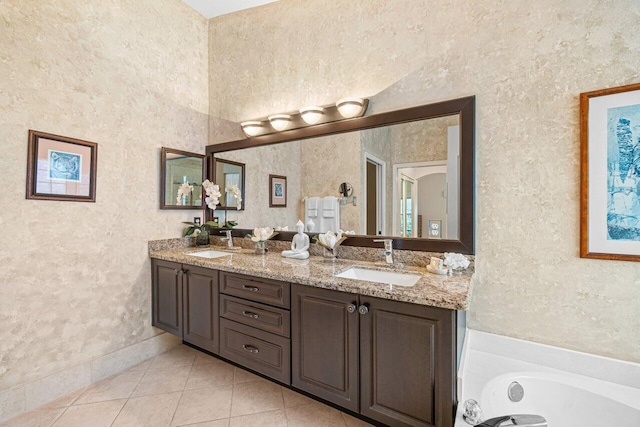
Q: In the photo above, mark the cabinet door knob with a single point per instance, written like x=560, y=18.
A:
x=251, y=288
x=363, y=309
x=184, y=271
x=251, y=349
x=351, y=308
x=250, y=314
x=176, y=271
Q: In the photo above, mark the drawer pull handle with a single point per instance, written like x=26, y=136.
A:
x=251, y=288
x=250, y=314
x=251, y=349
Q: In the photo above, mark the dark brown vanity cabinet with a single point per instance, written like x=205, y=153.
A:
x=185, y=302
x=390, y=361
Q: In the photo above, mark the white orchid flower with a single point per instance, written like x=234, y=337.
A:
x=184, y=190
x=213, y=193
x=455, y=260
x=262, y=234
x=235, y=192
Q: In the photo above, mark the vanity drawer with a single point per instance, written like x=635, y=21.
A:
x=267, y=318
x=261, y=351
x=255, y=289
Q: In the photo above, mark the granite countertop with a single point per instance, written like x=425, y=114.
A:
x=450, y=292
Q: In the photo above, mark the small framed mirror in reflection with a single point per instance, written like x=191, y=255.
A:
x=181, y=176
x=227, y=174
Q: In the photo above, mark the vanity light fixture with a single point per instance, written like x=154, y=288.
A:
x=251, y=127
x=350, y=107
x=311, y=115
x=346, y=108
x=280, y=121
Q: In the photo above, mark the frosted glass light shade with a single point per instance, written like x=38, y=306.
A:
x=311, y=115
x=251, y=128
x=280, y=121
x=350, y=107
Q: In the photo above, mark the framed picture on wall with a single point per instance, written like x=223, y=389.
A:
x=610, y=174
x=277, y=191
x=61, y=168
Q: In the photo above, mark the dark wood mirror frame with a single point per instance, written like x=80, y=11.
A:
x=465, y=107
x=242, y=166
x=163, y=173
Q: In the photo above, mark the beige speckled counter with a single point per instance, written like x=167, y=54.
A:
x=451, y=292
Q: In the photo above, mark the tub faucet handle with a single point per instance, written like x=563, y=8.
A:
x=522, y=420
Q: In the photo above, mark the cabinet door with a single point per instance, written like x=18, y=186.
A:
x=200, y=294
x=406, y=363
x=166, y=296
x=324, y=344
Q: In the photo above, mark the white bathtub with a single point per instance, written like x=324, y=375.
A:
x=568, y=388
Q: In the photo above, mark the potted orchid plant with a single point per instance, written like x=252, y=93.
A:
x=330, y=242
x=200, y=230
x=260, y=237
x=233, y=191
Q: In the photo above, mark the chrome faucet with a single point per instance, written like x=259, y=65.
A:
x=388, y=250
x=229, y=238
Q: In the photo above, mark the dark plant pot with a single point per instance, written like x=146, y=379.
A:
x=202, y=239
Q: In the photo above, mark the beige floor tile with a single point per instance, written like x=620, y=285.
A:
x=203, y=404
x=216, y=423
x=158, y=381
x=92, y=414
x=156, y=411
x=141, y=366
x=354, y=422
x=242, y=376
x=263, y=419
x=117, y=387
x=178, y=356
x=292, y=398
x=203, y=358
x=314, y=415
x=67, y=400
x=211, y=374
x=256, y=396
x=39, y=418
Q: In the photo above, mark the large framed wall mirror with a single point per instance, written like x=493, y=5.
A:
x=181, y=176
x=411, y=173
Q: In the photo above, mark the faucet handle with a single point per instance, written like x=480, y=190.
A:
x=388, y=243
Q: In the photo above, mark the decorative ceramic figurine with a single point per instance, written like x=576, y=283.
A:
x=299, y=244
x=311, y=225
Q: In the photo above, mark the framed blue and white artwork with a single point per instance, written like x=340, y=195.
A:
x=61, y=168
x=610, y=173
x=277, y=191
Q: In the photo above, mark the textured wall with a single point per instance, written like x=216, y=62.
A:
x=526, y=63
x=131, y=76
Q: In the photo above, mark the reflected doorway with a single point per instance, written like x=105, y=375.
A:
x=374, y=199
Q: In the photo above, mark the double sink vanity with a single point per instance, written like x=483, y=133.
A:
x=374, y=340
x=377, y=340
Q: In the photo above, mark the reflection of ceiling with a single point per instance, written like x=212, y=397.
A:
x=211, y=8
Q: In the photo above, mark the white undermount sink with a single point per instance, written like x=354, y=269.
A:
x=379, y=276
x=209, y=254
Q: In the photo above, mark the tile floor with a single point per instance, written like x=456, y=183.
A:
x=184, y=387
